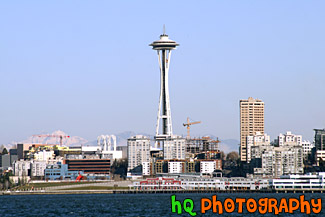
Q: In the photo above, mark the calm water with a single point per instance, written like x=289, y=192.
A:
x=120, y=205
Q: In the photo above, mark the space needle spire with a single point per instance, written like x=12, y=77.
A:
x=164, y=47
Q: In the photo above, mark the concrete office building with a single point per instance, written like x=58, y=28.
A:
x=5, y=162
x=37, y=168
x=21, y=149
x=91, y=167
x=251, y=121
x=207, y=166
x=307, y=148
x=22, y=168
x=289, y=139
x=176, y=167
x=44, y=155
x=320, y=155
x=13, y=156
x=60, y=171
x=138, y=151
x=258, y=139
x=146, y=168
x=270, y=161
x=174, y=148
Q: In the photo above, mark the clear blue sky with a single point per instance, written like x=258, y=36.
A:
x=85, y=67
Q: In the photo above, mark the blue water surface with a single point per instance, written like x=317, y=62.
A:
x=124, y=204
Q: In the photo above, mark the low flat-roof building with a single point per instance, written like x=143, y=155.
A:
x=60, y=172
x=90, y=166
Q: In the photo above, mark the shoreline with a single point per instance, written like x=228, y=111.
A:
x=277, y=191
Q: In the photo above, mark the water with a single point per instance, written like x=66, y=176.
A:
x=122, y=204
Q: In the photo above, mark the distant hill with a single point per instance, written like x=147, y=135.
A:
x=229, y=145
x=226, y=145
x=121, y=138
x=72, y=141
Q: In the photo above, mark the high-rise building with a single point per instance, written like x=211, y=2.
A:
x=174, y=148
x=138, y=152
x=251, y=121
x=285, y=158
x=320, y=139
x=257, y=140
x=270, y=161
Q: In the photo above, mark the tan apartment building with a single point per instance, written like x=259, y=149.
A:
x=251, y=121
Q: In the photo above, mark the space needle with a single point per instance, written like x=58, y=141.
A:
x=164, y=47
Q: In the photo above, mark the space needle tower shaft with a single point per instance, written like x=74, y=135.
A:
x=164, y=47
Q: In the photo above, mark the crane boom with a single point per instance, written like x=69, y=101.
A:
x=188, y=124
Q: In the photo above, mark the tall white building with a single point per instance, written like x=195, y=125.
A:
x=37, y=168
x=270, y=161
x=258, y=139
x=21, y=168
x=174, y=148
x=138, y=151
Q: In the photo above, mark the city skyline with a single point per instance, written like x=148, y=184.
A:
x=76, y=72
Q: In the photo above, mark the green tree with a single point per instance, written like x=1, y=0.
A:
x=119, y=167
x=4, y=151
x=232, y=156
x=5, y=180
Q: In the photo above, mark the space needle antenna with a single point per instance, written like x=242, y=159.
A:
x=164, y=30
x=164, y=47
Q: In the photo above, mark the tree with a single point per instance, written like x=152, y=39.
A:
x=5, y=180
x=119, y=167
x=4, y=151
x=232, y=156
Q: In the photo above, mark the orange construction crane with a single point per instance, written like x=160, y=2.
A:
x=57, y=136
x=188, y=124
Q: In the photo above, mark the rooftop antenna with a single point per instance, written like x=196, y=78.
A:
x=164, y=30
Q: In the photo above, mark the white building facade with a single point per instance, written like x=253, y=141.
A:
x=21, y=168
x=145, y=168
x=289, y=139
x=37, y=168
x=320, y=155
x=44, y=156
x=175, y=167
x=307, y=148
x=138, y=151
x=207, y=166
x=174, y=148
x=274, y=161
x=258, y=139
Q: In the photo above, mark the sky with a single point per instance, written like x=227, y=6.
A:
x=85, y=67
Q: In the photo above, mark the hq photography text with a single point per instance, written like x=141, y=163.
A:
x=251, y=205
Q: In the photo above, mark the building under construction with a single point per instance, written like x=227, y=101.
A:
x=199, y=145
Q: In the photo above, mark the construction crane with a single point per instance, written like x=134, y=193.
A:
x=188, y=124
x=57, y=136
